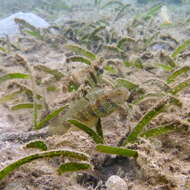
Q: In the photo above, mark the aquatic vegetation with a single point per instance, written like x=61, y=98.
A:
x=116, y=150
x=109, y=69
x=96, y=30
x=19, y=60
x=46, y=154
x=175, y=125
x=180, y=86
x=82, y=51
x=78, y=59
x=167, y=68
x=121, y=12
x=73, y=167
x=124, y=40
x=9, y=96
x=147, y=96
x=37, y=144
x=99, y=129
x=57, y=74
x=99, y=139
x=27, y=28
x=96, y=2
x=4, y=50
x=72, y=87
x=115, y=49
x=23, y=88
x=11, y=76
x=158, y=131
x=162, y=84
x=32, y=95
x=132, y=67
x=24, y=106
x=126, y=83
x=154, y=111
x=168, y=60
x=181, y=48
x=95, y=136
x=135, y=64
x=176, y=73
x=136, y=92
x=34, y=34
x=150, y=12
x=51, y=88
x=57, y=5
x=111, y=3
x=48, y=117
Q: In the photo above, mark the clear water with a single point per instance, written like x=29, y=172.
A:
x=55, y=8
x=61, y=11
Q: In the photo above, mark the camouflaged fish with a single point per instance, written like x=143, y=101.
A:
x=87, y=110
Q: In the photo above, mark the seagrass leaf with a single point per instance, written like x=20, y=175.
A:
x=50, y=116
x=37, y=144
x=46, y=154
x=24, y=106
x=97, y=139
x=161, y=106
x=181, y=48
x=73, y=167
x=116, y=151
x=176, y=73
x=13, y=76
x=81, y=51
x=79, y=59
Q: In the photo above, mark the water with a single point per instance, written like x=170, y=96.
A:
x=54, y=53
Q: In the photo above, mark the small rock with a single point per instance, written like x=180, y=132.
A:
x=9, y=27
x=115, y=182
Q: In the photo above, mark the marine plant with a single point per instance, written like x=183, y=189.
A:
x=67, y=167
x=150, y=12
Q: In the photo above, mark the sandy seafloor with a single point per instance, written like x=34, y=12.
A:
x=163, y=162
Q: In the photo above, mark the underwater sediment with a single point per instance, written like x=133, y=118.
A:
x=97, y=98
